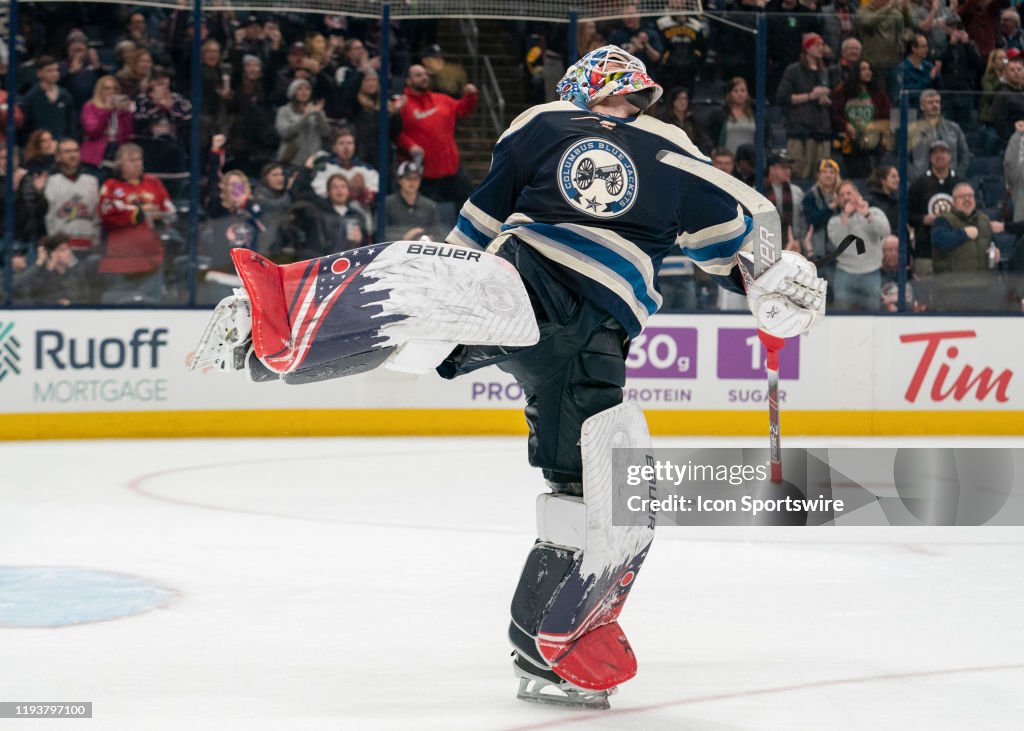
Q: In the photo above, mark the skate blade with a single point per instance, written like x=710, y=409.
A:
x=224, y=343
x=538, y=690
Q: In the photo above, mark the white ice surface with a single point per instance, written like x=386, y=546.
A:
x=365, y=584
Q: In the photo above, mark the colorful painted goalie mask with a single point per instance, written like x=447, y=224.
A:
x=608, y=71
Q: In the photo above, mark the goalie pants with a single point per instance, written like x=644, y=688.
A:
x=576, y=370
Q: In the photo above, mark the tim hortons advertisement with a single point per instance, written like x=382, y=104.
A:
x=94, y=361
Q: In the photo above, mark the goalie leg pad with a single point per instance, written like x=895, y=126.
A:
x=415, y=300
x=572, y=591
x=384, y=296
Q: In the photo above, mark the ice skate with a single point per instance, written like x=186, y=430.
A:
x=227, y=337
x=541, y=685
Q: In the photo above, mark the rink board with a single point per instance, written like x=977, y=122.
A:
x=68, y=374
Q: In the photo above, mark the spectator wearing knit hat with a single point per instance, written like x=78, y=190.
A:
x=804, y=95
x=300, y=124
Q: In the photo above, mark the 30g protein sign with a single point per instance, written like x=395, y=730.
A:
x=663, y=352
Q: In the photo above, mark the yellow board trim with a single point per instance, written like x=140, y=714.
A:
x=469, y=422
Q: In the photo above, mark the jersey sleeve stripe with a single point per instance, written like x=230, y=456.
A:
x=714, y=234
x=571, y=259
x=598, y=263
x=458, y=238
x=723, y=249
x=629, y=262
x=721, y=267
x=623, y=246
x=481, y=220
x=469, y=232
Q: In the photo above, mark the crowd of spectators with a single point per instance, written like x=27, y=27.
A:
x=289, y=133
x=289, y=114
x=834, y=81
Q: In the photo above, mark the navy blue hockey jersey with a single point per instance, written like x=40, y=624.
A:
x=587, y=193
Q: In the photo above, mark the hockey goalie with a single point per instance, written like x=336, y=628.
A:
x=548, y=273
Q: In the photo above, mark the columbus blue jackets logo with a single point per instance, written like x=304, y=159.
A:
x=597, y=178
x=240, y=234
x=940, y=203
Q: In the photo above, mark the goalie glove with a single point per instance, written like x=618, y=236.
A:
x=789, y=298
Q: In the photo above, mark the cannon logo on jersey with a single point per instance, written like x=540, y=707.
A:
x=598, y=178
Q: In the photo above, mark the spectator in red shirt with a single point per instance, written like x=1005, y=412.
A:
x=428, y=134
x=133, y=208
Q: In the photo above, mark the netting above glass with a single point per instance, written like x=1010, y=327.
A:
x=553, y=10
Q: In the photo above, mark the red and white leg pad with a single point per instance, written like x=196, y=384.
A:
x=578, y=575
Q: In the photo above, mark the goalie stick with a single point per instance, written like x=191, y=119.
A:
x=767, y=251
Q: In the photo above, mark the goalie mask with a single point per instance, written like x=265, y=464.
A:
x=608, y=71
